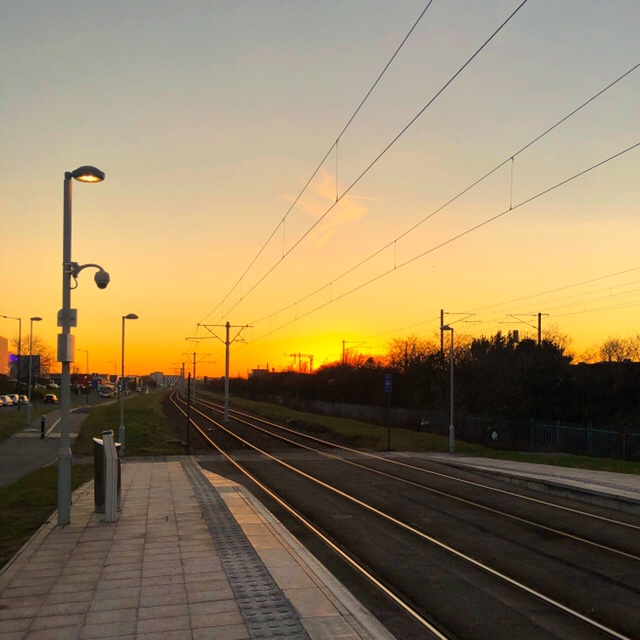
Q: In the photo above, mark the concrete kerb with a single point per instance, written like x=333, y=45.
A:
x=556, y=486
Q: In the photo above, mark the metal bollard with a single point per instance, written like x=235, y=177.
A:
x=42, y=423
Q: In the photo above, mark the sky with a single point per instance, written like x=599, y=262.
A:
x=323, y=176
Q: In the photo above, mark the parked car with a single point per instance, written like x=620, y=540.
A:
x=24, y=399
x=15, y=398
x=50, y=398
x=5, y=401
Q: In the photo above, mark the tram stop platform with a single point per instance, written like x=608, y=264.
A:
x=617, y=491
x=191, y=556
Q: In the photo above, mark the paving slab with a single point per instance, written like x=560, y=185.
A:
x=191, y=556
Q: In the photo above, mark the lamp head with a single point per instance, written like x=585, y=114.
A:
x=88, y=174
x=130, y=316
x=446, y=327
x=35, y=319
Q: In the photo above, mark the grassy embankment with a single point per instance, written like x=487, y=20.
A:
x=27, y=504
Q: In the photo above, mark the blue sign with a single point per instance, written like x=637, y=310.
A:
x=387, y=383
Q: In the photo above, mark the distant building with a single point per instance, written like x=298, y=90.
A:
x=157, y=377
x=258, y=372
x=171, y=381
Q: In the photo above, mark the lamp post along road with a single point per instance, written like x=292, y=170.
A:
x=86, y=359
x=32, y=320
x=19, y=352
x=451, y=427
x=66, y=319
x=121, y=430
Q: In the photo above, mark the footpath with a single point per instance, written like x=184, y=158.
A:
x=193, y=556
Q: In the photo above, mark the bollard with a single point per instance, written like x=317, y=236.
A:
x=42, y=423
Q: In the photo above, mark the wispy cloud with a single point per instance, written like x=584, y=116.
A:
x=320, y=197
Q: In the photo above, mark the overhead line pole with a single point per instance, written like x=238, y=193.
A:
x=227, y=342
x=538, y=326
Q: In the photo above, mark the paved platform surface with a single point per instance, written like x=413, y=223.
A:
x=619, y=491
x=192, y=556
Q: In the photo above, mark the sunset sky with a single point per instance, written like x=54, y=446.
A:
x=211, y=120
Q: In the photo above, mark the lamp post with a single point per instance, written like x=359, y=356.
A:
x=451, y=428
x=121, y=434
x=19, y=351
x=31, y=320
x=86, y=359
x=66, y=319
x=115, y=374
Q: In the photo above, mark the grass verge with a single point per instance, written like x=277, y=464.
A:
x=28, y=503
x=147, y=429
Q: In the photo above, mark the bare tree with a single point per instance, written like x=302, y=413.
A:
x=405, y=354
x=561, y=340
x=634, y=347
x=615, y=350
x=39, y=348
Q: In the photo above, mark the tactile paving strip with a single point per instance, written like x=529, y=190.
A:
x=266, y=610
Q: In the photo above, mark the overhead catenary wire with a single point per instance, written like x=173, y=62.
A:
x=511, y=158
x=477, y=311
x=384, y=151
x=320, y=164
x=393, y=243
x=450, y=240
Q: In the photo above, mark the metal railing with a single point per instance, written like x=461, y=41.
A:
x=538, y=436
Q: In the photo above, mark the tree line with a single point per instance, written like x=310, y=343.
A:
x=496, y=377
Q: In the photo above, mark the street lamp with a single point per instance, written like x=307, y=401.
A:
x=67, y=318
x=115, y=375
x=446, y=327
x=19, y=350
x=31, y=320
x=129, y=316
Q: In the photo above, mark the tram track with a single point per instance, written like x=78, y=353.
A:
x=320, y=471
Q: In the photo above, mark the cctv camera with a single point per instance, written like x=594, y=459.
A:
x=102, y=279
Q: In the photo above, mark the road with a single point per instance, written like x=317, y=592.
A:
x=25, y=451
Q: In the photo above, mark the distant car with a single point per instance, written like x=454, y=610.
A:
x=15, y=398
x=24, y=400
x=50, y=398
x=5, y=401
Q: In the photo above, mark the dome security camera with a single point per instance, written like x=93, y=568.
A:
x=102, y=279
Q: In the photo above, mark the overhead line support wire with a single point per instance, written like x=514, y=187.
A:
x=466, y=190
x=524, y=202
x=570, y=286
x=456, y=237
x=384, y=151
x=327, y=154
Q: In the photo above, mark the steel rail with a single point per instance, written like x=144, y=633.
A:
x=466, y=501
x=368, y=454
x=358, y=566
x=458, y=554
